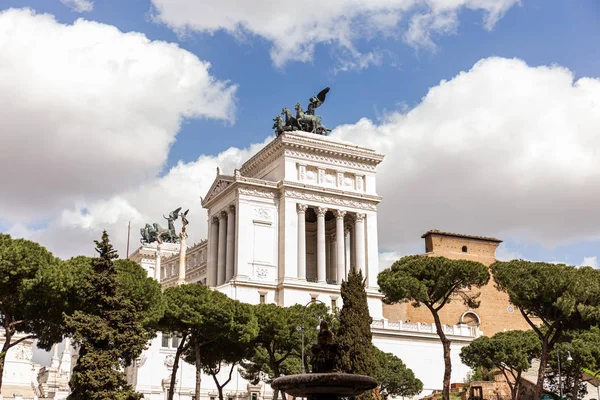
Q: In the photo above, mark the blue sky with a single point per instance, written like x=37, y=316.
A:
x=393, y=88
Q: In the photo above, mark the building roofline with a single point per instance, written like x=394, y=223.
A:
x=460, y=235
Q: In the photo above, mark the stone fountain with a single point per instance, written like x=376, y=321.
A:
x=324, y=382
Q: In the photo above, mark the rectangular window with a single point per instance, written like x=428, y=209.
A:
x=165, y=339
x=254, y=396
x=175, y=342
x=212, y=398
x=313, y=299
x=334, y=304
x=262, y=299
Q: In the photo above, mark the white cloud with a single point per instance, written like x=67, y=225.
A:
x=79, y=6
x=591, y=261
x=89, y=111
x=295, y=28
x=503, y=150
x=72, y=231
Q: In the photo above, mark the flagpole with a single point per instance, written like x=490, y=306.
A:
x=128, y=234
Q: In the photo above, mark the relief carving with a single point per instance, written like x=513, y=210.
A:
x=321, y=198
x=262, y=214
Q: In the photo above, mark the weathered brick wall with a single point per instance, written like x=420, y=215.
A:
x=494, y=313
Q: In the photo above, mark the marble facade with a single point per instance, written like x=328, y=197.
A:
x=285, y=228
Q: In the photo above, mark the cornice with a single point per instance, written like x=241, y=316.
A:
x=309, y=145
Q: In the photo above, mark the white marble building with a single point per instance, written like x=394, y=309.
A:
x=286, y=228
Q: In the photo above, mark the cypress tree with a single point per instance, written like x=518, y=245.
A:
x=354, y=333
x=108, y=331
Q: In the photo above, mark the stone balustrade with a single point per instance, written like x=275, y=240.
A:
x=421, y=327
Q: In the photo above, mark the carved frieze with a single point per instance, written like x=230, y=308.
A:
x=268, y=194
x=331, y=160
x=328, y=199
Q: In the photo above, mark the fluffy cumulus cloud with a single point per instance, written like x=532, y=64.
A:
x=89, y=111
x=294, y=28
x=74, y=229
x=79, y=6
x=504, y=149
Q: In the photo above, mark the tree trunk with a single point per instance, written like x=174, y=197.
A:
x=539, y=387
x=2, y=359
x=275, y=394
x=446, y=346
x=176, y=366
x=517, y=387
x=575, y=390
x=198, y=367
x=5, y=347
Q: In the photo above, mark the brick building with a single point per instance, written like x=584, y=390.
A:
x=495, y=314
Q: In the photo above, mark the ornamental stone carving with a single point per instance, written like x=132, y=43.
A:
x=334, y=200
x=339, y=214
x=321, y=211
x=262, y=214
x=169, y=361
x=301, y=208
x=359, y=217
x=267, y=194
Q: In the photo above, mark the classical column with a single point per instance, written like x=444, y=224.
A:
x=321, y=260
x=157, y=267
x=182, y=258
x=301, y=209
x=213, y=251
x=66, y=358
x=359, y=243
x=221, y=248
x=230, y=243
x=55, y=360
x=340, y=239
x=352, y=241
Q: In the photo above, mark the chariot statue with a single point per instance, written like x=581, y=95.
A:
x=303, y=121
x=156, y=233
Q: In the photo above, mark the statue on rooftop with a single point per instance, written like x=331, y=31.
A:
x=155, y=233
x=303, y=121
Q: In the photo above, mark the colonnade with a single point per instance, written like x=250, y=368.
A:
x=346, y=244
x=221, y=251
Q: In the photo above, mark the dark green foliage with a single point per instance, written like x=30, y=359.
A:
x=233, y=345
x=277, y=348
x=584, y=349
x=109, y=329
x=214, y=329
x=394, y=378
x=434, y=282
x=510, y=352
x=560, y=296
x=354, y=332
x=33, y=294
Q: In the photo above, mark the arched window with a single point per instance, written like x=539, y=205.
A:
x=464, y=249
x=470, y=318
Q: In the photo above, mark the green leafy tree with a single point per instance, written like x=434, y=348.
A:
x=394, y=378
x=109, y=329
x=583, y=347
x=510, y=352
x=202, y=317
x=278, y=345
x=232, y=346
x=433, y=282
x=354, y=332
x=556, y=296
x=34, y=294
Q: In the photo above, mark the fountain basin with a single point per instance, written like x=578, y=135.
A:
x=330, y=383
